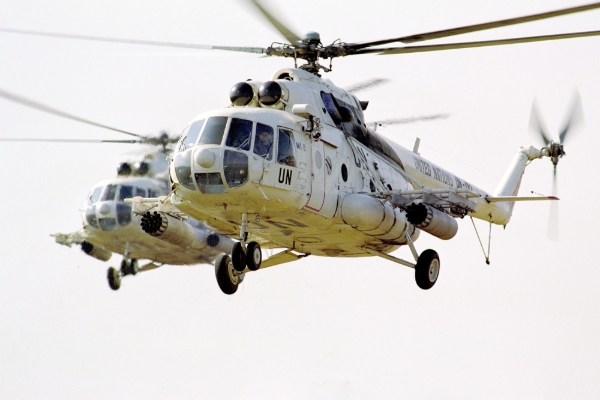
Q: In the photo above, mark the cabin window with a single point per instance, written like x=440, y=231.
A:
x=263, y=141
x=285, y=148
x=188, y=139
x=214, y=130
x=240, y=132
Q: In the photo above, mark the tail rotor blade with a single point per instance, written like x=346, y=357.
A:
x=574, y=119
x=536, y=125
x=553, y=223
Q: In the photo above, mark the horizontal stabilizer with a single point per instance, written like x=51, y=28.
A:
x=519, y=198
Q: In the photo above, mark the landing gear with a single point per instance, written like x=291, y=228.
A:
x=114, y=278
x=128, y=267
x=238, y=257
x=253, y=256
x=427, y=269
x=227, y=277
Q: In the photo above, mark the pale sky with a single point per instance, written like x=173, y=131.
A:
x=525, y=326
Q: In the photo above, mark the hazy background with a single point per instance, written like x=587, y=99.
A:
x=524, y=327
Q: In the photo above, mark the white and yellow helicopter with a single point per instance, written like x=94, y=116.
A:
x=109, y=226
x=291, y=164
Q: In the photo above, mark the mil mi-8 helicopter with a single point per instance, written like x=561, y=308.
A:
x=327, y=184
x=109, y=226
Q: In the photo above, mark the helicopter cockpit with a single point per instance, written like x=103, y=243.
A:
x=231, y=151
x=106, y=208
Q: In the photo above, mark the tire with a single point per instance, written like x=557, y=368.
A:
x=228, y=282
x=114, y=278
x=427, y=269
x=253, y=256
x=125, y=267
x=134, y=267
x=238, y=257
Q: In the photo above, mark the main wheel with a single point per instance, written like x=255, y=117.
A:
x=134, y=267
x=227, y=277
x=114, y=278
x=253, y=256
x=427, y=269
x=125, y=267
x=238, y=257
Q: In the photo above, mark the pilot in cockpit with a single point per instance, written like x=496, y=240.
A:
x=263, y=145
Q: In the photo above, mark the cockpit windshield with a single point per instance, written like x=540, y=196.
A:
x=214, y=130
x=109, y=193
x=190, y=135
x=125, y=192
x=95, y=195
x=239, y=135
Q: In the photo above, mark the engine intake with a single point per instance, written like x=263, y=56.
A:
x=432, y=220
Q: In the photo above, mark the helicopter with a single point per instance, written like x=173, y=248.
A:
x=109, y=226
x=329, y=185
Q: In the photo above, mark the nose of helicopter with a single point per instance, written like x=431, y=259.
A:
x=108, y=216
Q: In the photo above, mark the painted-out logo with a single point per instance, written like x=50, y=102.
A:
x=285, y=176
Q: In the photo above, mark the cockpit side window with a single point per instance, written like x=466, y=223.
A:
x=189, y=137
x=285, y=148
x=109, y=193
x=140, y=192
x=125, y=192
x=263, y=141
x=214, y=130
x=152, y=193
x=95, y=195
x=239, y=135
x=331, y=107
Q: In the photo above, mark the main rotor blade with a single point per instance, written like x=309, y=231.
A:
x=536, y=125
x=575, y=118
x=410, y=120
x=69, y=140
x=258, y=50
x=467, y=45
x=366, y=85
x=42, y=107
x=284, y=30
x=477, y=27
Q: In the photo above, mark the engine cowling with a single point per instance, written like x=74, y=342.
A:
x=432, y=220
x=376, y=218
x=183, y=234
x=94, y=251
